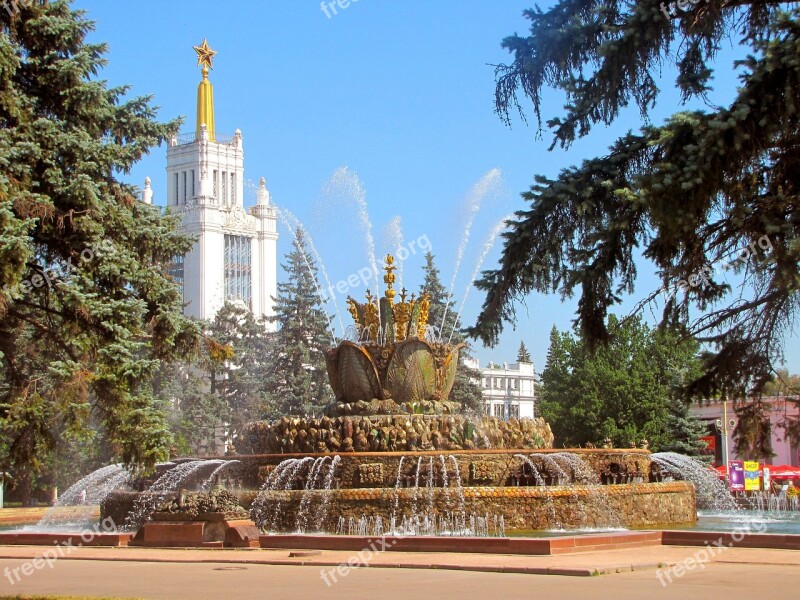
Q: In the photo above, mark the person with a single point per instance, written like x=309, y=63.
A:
x=83, y=496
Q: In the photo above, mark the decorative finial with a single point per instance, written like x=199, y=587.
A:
x=389, y=278
x=205, y=56
x=147, y=192
x=263, y=193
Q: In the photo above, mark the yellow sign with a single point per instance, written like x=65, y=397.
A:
x=752, y=474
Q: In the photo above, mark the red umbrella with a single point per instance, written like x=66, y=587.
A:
x=783, y=472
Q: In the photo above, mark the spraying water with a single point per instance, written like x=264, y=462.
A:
x=487, y=246
x=275, y=480
x=164, y=486
x=397, y=484
x=344, y=183
x=293, y=233
x=311, y=484
x=327, y=485
x=293, y=223
x=489, y=184
x=76, y=507
x=540, y=482
x=211, y=478
x=285, y=483
x=711, y=492
x=459, y=487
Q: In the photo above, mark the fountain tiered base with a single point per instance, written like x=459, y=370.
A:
x=465, y=492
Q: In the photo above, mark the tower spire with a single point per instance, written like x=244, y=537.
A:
x=205, y=91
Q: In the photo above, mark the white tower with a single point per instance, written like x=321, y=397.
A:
x=235, y=256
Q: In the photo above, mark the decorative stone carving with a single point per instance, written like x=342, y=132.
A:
x=370, y=474
x=481, y=472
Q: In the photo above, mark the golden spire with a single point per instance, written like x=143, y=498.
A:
x=205, y=91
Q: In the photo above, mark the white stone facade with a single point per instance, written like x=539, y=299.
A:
x=235, y=256
x=509, y=390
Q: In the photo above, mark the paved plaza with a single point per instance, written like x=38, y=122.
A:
x=192, y=574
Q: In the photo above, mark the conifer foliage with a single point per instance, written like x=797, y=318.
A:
x=298, y=383
x=626, y=391
x=523, y=355
x=707, y=194
x=86, y=309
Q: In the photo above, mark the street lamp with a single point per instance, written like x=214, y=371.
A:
x=722, y=426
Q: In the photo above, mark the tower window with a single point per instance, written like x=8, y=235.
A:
x=233, y=189
x=238, y=252
x=185, y=187
x=224, y=188
x=216, y=176
x=176, y=188
x=175, y=270
x=193, y=192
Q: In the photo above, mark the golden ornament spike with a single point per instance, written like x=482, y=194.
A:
x=205, y=55
x=389, y=278
x=372, y=321
x=352, y=308
x=402, y=316
x=422, y=321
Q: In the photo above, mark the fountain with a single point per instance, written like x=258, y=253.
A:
x=393, y=456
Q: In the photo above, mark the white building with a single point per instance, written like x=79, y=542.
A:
x=235, y=256
x=508, y=389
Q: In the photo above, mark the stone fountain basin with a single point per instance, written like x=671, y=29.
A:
x=366, y=483
x=486, y=467
x=523, y=508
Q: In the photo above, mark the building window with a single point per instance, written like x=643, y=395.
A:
x=185, y=187
x=214, y=194
x=238, y=251
x=224, y=177
x=175, y=270
x=233, y=189
x=176, y=188
x=193, y=192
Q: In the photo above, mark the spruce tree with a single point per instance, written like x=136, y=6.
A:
x=555, y=389
x=442, y=315
x=239, y=378
x=86, y=309
x=523, y=355
x=687, y=432
x=298, y=383
x=706, y=194
x=214, y=393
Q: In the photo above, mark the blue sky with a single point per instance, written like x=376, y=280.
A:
x=400, y=93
